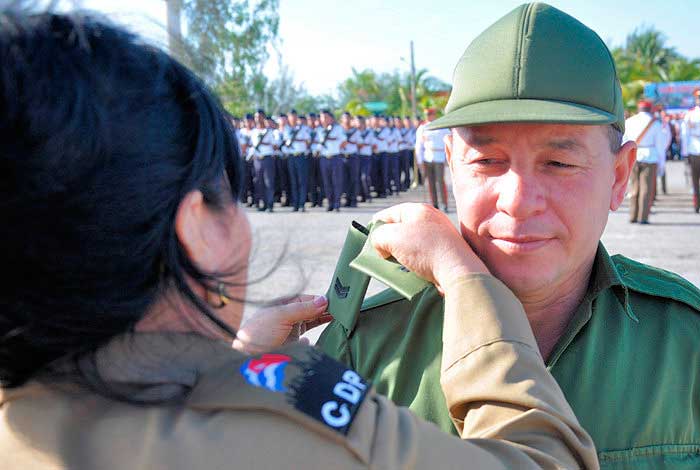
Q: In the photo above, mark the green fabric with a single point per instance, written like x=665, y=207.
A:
x=357, y=263
x=536, y=64
x=628, y=362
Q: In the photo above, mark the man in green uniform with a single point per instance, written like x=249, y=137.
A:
x=537, y=163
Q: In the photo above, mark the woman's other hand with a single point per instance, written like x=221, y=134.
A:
x=281, y=323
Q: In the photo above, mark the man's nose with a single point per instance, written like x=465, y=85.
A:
x=520, y=195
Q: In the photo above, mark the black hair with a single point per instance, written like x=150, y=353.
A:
x=101, y=136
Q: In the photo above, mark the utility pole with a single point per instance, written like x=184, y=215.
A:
x=413, y=85
x=414, y=115
x=174, y=28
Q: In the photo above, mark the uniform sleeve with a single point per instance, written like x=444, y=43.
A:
x=684, y=137
x=509, y=410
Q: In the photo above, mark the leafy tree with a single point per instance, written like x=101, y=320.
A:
x=226, y=44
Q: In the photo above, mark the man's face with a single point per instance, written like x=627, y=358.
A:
x=345, y=120
x=533, y=199
x=293, y=120
x=326, y=119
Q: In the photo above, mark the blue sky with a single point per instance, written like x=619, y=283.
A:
x=322, y=40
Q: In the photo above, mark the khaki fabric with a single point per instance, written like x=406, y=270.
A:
x=507, y=406
x=641, y=188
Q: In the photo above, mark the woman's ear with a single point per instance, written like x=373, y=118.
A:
x=190, y=227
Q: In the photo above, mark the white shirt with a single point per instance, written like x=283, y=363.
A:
x=382, y=135
x=408, y=139
x=297, y=140
x=690, y=133
x=430, y=145
x=653, y=145
x=394, y=140
x=265, y=140
x=332, y=137
x=354, y=138
x=367, y=137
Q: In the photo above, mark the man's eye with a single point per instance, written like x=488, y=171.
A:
x=487, y=161
x=556, y=164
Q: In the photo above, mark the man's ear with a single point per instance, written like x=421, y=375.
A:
x=448, y=149
x=624, y=161
x=190, y=227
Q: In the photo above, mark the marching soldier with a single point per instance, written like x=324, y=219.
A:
x=315, y=179
x=382, y=135
x=365, y=152
x=393, y=152
x=352, y=160
x=298, y=146
x=331, y=145
x=247, y=191
x=690, y=147
x=263, y=150
x=408, y=142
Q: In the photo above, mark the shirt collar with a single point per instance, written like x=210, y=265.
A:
x=606, y=275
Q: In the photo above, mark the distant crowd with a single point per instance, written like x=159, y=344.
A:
x=296, y=160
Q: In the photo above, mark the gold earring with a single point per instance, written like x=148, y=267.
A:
x=223, y=298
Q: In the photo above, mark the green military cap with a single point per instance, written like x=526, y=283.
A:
x=536, y=64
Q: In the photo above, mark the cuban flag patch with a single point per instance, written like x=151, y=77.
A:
x=266, y=371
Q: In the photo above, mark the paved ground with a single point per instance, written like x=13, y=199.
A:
x=311, y=241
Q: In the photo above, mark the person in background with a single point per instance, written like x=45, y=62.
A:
x=408, y=144
x=351, y=160
x=430, y=155
x=366, y=151
x=298, y=144
x=264, y=146
x=331, y=145
x=315, y=179
x=690, y=147
x=651, y=139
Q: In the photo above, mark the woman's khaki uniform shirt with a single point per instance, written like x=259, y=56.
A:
x=296, y=408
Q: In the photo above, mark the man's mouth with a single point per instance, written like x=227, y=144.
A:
x=520, y=244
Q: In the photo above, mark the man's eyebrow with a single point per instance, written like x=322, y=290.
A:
x=564, y=144
x=476, y=140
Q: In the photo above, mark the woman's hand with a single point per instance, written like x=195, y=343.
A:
x=278, y=324
x=425, y=241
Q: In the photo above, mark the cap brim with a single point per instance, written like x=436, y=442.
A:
x=524, y=110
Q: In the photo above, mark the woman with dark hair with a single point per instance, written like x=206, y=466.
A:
x=119, y=176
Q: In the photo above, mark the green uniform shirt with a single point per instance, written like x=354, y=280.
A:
x=628, y=362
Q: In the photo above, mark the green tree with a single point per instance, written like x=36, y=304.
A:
x=226, y=45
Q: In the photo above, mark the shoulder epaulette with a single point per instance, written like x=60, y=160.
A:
x=649, y=280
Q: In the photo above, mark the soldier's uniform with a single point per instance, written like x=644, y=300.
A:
x=381, y=176
x=330, y=146
x=652, y=141
x=296, y=408
x=247, y=188
x=297, y=144
x=262, y=153
x=690, y=147
x=366, y=160
x=352, y=165
x=408, y=142
x=315, y=179
x=394, y=156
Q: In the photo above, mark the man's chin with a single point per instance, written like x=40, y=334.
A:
x=522, y=275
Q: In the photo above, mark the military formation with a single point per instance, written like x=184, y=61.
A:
x=298, y=161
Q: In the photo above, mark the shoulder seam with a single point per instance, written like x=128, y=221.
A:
x=686, y=292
